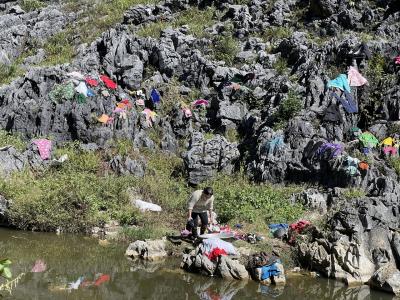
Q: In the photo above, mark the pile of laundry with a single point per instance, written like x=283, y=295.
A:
x=213, y=248
x=266, y=268
x=288, y=232
x=340, y=89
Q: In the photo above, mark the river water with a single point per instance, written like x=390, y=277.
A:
x=109, y=275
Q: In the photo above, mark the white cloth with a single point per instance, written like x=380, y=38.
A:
x=144, y=206
x=76, y=75
x=82, y=89
x=209, y=245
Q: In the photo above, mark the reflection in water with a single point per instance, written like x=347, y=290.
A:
x=64, y=259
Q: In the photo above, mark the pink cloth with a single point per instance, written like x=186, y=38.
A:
x=397, y=60
x=140, y=102
x=187, y=112
x=200, y=102
x=355, y=78
x=118, y=110
x=389, y=149
x=40, y=266
x=44, y=147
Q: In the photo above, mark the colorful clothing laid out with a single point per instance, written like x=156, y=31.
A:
x=275, y=145
x=347, y=102
x=150, y=116
x=390, y=150
x=108, y=82
x=274, y=227
x=82, y=89
x=332, y=114
x=299, y=226
x=127, y=103
x=215, y=253
x=270, y=270
x=91, y=82
x=44, y=147
x=208, y=245
x=76, y=75
x=355, y=78
x=200, y=102
x=140, y=102
x=368, y=140
x=329, y=150
x=187, y=112
x=105, y=119
x=340, y=82
x=155, y=96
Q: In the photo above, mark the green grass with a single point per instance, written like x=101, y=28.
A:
x=288, y=109
x=281, y=66
x=84, y=192
x=196, y=19
x=395, y=164
x=273, y=34
x=31, y=5
x=8, y=73
x=7, y=139
x=59, y=48
x=241, y=200
x=226, y=48
x=353, y=193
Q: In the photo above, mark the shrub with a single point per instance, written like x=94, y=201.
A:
x=353, y=193
x=281, y=66
x=395, y=164
x=59, y=48
x=30, y=5
x=8, y=72
x=273, y=34
x=238, y=199
x=288, y=109
x=226, y=48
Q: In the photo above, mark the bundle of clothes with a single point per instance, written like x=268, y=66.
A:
x=262, y=266
x=288, y=232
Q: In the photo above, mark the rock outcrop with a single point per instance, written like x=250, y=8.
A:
x=148, y=250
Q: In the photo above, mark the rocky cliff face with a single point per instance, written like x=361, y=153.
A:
x=272, y=94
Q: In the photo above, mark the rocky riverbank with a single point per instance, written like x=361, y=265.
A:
x=159, y=96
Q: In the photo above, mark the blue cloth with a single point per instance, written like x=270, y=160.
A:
x=270, y=270
x=274, y=227
x=340, y=82
x=348, y=102
x=274, y=145
x=155, y=96
x=90, y=93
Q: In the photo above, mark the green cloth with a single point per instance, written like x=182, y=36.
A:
x=62, y=92
x=80, y=98
x=368, y=140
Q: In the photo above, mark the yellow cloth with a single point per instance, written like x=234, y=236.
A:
x=103, y=119
x=388, y=142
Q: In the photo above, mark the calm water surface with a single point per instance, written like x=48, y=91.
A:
x=69, y=257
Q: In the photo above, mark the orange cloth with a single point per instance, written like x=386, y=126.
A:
x=103, y=119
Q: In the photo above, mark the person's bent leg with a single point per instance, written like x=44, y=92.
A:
x=195, y=223
x=204, y=222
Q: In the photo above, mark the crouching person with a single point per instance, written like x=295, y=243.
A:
x=200, y=205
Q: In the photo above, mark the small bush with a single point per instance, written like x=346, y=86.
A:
x=226, y=48
x=281, y=66
x=288, y=109
x=395, y=164
x=273, y=34
x=31, y=5
x=241, y=200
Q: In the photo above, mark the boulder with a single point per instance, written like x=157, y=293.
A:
x=231, y=269
x=148, y=249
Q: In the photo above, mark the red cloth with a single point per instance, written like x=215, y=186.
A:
x=108, y=82
x=91, y=81
x=103, y=278
x=127, y=103
x=397, y=60
x=215, y=253
x=299, y=226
